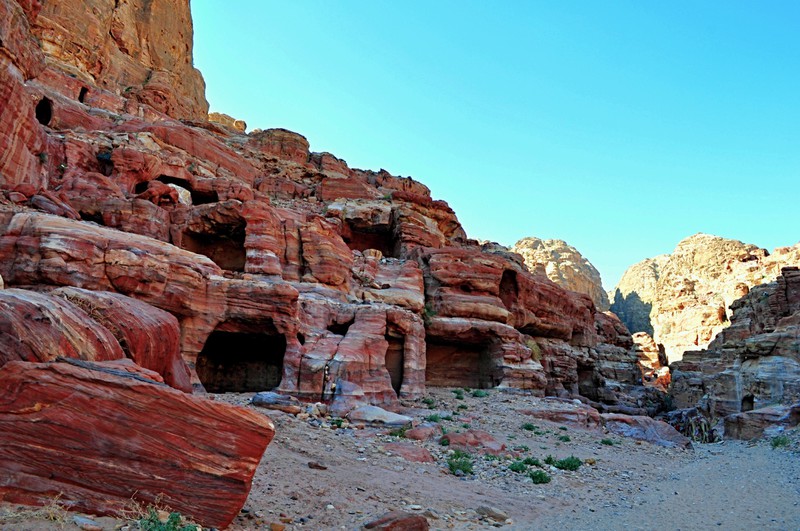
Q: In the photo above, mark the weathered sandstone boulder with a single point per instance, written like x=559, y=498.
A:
x=645, y=429
x=694, y=287
x=564, y=265
x=100, y=437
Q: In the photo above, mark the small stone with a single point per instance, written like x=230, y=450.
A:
x=492, y=512
x=274, y=526
x=316, y=466
x=86, y=524
x=330, y=507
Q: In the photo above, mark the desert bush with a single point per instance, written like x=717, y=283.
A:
x=539, y=477
x=460, y=461
x=569, y=463
x=781, y=441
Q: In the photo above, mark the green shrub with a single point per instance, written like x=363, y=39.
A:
x=781, y=441
x=518, y=467
x=399, y=432
x=569, y=463
x=447, y=417
x=529, y=427
x=532, y=461
x=466, y=426
x=459, y=394
x=173, y=523
x=428, y=401
x=433, y=418
x=564, y=438
x=562, y=428
x=490, y=457
x=550, y=460
x=462, y=406
x=479, y=393
x=539, y=477
x=607, y=442
x=460, y=461
x=444, y=441
x=337, y=422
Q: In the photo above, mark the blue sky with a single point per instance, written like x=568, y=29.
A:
x=621, y=127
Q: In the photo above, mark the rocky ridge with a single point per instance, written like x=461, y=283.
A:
x=564, y=265
x=682, y=299
x=749, y=377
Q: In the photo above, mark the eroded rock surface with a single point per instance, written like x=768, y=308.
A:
x=131, y=450
x=564, y=265
x=687, y=294
x=752, y=364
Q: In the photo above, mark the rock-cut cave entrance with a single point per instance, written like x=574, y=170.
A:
x=224, y=247
x=452, y=364
x=748, y=403
x=379, y=237
x=241, y=362
x=395, y=359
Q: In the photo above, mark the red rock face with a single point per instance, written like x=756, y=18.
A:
x=52, y=441
x=350, y=283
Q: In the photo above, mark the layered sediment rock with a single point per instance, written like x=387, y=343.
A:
x=564, y=265
x=100, y=437
x=683, y=299
x=752, y=364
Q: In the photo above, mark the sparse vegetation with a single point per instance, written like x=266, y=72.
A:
x=518, y=467
x=462, y=406
x=532, y=461
x=550, y=460
x=428, y=401
x=569, y=463
x=607, y=442
x=536, y=350
x=42, y=157
x=174, y=522
x=400, y=432
x=480, y=393
x=564, y=438
x=459, y=394
x=781, y=441
x=444, y=441
x=52, y=512
x=562, y=428
x=337, y=422
x=433, y=418
x=528, y=426
x=447, y=417
x=460, y=463
x=539, y=477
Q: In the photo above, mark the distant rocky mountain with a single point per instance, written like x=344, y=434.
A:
x=683, y=299
x=564, y=265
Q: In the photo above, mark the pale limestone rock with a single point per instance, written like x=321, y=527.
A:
x=564, y=265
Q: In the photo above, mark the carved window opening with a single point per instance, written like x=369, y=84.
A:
x=378, y=237
x=82, y=95
x=395, y=359
x=44, y=111
x=225, y=246
x=341, y=329
x=509, y=290
x=748, y=403
x=451, y=364
x=234, y=362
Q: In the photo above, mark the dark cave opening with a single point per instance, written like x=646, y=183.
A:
x=748, y=403
x=340, y=329
x=82, y=95
x=508, y=289
x=226, y=249
x=459, y=365
x=241, y=362
x=44, y=111
x=379, y=238
x=395, y=360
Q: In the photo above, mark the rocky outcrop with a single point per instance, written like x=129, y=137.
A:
x=283, y=269
x=565, y=266
x=689, y=292
x=139, y=50
x=90, y=434
x=752, y=364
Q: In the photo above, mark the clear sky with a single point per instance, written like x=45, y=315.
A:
x=621, y=127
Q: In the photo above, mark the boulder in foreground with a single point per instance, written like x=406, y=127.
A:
x=101, y=437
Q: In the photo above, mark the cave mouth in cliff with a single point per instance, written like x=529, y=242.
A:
x=395, y=359
x=226, y=249
x=509, y=290
x=379, y=238
x=340, y=329
x=236, y=362
x=450, y=364
x=82, y=94
x=748, y=403
x=44, y=111
x=198, y=197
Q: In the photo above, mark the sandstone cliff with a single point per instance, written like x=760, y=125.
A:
x=753, y=363
x=682, y=299
x=564, y=265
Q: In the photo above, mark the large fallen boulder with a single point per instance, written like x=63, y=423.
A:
x=101, y=437
x=645, y=429
x=764, y=421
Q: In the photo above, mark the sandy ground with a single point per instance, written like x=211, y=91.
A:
x=631, y=485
